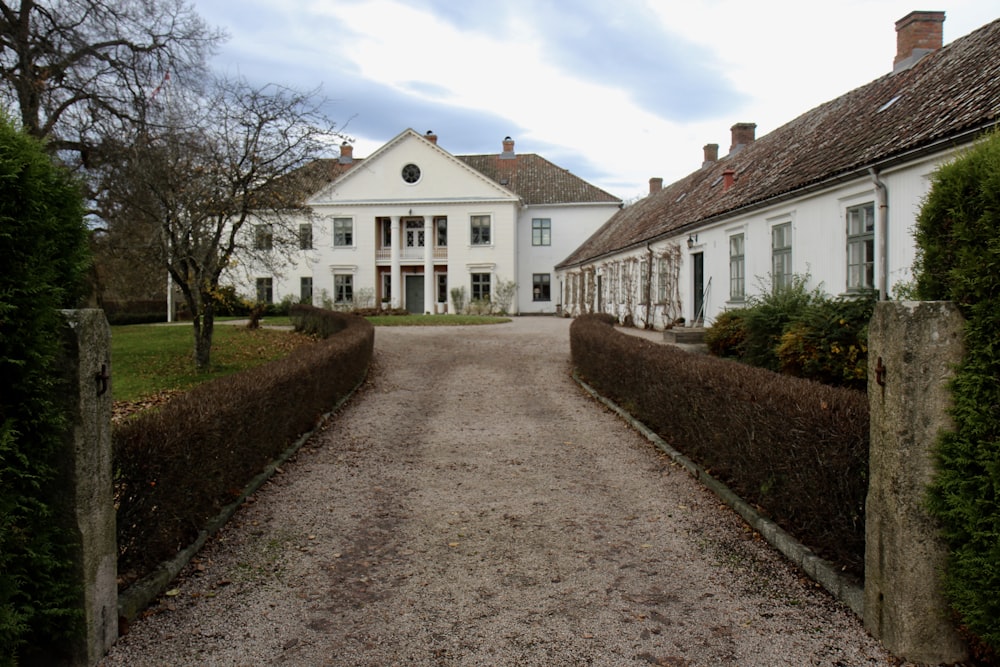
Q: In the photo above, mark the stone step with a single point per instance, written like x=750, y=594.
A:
x=684, y=335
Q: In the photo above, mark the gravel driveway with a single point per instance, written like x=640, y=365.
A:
x=472, y=506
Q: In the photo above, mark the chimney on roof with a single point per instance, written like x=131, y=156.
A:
x=917, y=34
x=728, y=178
x=711, y=154
x=508, y=149
x=655, y=184
x=346, y=153
x=431, y=137
x=743, y=135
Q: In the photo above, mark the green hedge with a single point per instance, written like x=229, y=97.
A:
x=958, y=240
x=796, y=448
x=43, y=259
x=179, y=465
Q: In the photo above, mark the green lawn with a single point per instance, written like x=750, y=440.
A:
x=147, y=359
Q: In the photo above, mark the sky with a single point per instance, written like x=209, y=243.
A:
x=615, y=91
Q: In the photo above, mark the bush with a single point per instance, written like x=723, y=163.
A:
x=43, y=260
x=796, y=448
x=727, y=335
x=958, y=248
x=799, y=332
x=179, y=465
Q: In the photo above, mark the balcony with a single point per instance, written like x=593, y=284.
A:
x=409, y=255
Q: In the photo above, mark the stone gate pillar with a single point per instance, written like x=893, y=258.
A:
x=912, y=350
x=88, y=455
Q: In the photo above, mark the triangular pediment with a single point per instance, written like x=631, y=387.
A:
x=410, y=168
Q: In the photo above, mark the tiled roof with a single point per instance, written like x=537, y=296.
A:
x=536, y=180
x=940, y=100
x=531, y=177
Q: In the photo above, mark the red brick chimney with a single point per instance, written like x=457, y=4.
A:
x=431, y=137
x=346, y=153
x=508, y=149
x=917, y=34
x=711, y=154
x=743, y=135
x=655, y=184
x=728, y=178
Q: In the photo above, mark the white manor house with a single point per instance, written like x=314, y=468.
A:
x=410, y=223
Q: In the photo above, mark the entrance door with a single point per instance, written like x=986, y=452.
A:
x=698, y=265
x=415, y=294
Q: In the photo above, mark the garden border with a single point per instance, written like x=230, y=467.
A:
x=818, y=569
x=137, y=597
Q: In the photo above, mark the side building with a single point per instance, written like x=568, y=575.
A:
x=410, y=223
x=832, y=195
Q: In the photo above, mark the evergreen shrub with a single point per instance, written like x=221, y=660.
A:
x=958, y=246
x=794, y=447
x=43, y=262
x=177, y=466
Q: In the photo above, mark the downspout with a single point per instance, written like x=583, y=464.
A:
x=882, y=231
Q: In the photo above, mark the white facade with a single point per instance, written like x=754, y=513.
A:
x=412, y=222
x=813, y=236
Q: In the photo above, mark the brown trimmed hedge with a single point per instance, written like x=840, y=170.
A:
x=178, y=466
x=796, y=448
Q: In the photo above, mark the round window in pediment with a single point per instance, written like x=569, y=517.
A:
x=411, y=173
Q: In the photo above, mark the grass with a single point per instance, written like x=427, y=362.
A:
x=149, y=359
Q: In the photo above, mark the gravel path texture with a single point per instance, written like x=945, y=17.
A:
x=473, y=506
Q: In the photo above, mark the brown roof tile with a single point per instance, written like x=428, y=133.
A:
x=941, y=99
x=536, y=180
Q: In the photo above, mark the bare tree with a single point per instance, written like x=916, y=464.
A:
x=208, y=174
x=77, y=70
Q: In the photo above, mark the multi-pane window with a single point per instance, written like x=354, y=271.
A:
x=442, y=232
x=541, y=287
x=661, y=283
x=737, y=268
x=861, y=247
x=386, y=233
x=305, y=236
x=343, y=232
x=781, y=255
x=306, y=289
x=643, y=281
x=386, y=286
x=343, y=289
x=442, y=287
x=541, y=231
x=265, y=290
x=263, y=237
x=480, y=287
x=481, y=230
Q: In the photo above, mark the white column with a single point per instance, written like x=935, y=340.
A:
x=430, y=289
x=395, y=275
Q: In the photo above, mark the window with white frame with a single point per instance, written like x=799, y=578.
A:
x=305, y=289
x=481, y=287
x=442, y=288
x=386, y=286
x=386, y=224
x=781, y=255
x=263, y=237
x=737, y=268
x=861, y=247
x=343, y=232
x=481, y=229
x=265, y=290
x=343, y=288
x=541, y=287
x=541, y=231
x=643, y=281
x=442, y=232
x=305, y=236
x=661, y=282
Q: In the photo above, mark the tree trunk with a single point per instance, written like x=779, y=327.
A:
x=204, y=325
